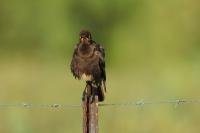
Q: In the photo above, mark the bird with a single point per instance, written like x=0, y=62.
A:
x=88, y=64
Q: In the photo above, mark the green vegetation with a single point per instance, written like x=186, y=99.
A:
x=152, y=53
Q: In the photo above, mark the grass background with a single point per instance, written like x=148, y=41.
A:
x=152, y=53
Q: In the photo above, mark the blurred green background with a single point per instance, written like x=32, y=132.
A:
x=152, y=53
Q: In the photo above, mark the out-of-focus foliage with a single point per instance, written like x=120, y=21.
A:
x=152, y=53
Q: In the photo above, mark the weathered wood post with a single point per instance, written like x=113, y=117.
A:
x=93, y=116
x=85, y=115
x=90, y=115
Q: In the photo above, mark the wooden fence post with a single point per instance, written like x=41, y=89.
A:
x=93, y=116
x=85, y=115
x=90, y=115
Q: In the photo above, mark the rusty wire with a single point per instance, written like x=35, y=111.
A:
x=139, y=103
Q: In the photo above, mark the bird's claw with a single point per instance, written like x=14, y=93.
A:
x=92, y=99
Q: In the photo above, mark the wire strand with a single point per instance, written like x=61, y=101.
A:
x=143, y=102
x=45, y=106
x=139, y=103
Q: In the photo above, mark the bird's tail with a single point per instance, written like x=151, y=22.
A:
x=101, y=93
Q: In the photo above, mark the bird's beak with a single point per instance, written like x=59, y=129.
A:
x=84, y=40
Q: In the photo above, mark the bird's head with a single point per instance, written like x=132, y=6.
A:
x=85, y=37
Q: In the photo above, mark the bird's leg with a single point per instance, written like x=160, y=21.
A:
x=87, y=90
x=94, y=92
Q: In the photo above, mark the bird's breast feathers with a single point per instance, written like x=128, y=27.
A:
x=86, y=77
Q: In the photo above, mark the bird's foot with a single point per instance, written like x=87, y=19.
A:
x=92, y=99
x=84, y=96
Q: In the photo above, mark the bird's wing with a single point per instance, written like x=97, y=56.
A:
x=101, y=53
x=74, y=65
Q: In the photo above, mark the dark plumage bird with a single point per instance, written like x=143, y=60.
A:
x=88, y=64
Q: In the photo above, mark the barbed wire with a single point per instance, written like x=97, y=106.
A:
x=139, y=103
x=44, y=106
